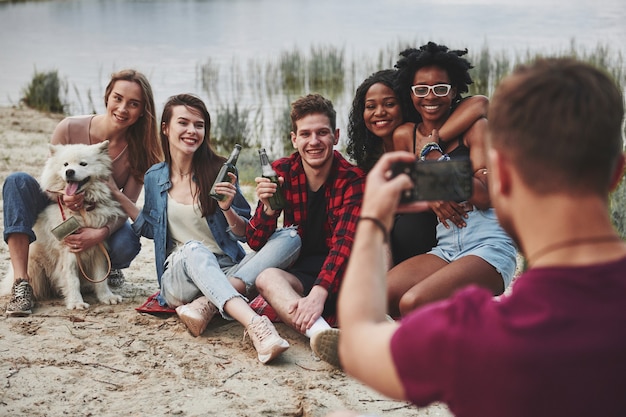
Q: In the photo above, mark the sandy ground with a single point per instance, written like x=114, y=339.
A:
x=113, y=361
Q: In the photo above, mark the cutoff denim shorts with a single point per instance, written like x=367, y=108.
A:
x=483, y=237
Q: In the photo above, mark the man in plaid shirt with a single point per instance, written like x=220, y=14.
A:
x=324, y=193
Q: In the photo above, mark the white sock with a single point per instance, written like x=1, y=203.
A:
x=320, y=324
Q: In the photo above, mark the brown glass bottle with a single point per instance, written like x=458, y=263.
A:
x=222, y=176
x=277, y=201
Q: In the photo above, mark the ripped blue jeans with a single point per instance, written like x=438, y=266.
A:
x=193, y=269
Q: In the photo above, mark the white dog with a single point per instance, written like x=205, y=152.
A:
x=52, y=268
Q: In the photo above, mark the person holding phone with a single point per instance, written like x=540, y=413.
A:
x=555, y=346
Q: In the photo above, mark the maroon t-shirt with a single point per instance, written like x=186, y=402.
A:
x=555, y=347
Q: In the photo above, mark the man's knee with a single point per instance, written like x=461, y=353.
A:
x=266, y=279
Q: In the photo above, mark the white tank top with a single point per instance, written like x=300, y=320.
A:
x=185, y=223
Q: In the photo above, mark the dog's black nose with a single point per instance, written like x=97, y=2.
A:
x=69, y=173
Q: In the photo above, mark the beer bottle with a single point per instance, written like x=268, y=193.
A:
x=222, y=176
x=277, y=201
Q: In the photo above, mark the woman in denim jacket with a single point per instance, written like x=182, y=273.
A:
x=201, y=266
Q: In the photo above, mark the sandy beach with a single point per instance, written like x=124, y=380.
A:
x=114, y=361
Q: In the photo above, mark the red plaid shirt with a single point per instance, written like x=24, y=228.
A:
x=343, y=195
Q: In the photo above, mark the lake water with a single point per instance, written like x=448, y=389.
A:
x=86, y=40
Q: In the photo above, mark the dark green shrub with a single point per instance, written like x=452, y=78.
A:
x=45, y=91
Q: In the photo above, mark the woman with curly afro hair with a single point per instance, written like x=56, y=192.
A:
x=471, y=248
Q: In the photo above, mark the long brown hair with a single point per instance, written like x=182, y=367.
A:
x=144, y=148
x=205, y=163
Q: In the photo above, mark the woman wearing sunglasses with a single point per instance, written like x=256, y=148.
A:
x=471, y=246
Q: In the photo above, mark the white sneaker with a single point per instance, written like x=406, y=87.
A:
x=325, y=345
x=196, y=315
x=265, y=339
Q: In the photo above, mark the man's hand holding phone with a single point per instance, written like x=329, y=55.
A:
x=383, y=189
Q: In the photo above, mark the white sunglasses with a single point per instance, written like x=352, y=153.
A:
x=422, y=90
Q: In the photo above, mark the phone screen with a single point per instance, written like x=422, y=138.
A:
x=438, y=180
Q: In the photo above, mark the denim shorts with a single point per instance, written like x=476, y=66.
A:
x=483, y=237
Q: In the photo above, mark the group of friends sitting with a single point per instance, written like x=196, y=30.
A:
x=406, y=297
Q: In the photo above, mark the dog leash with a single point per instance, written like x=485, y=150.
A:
x=101, y=245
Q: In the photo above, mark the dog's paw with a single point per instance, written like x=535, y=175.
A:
x=110, y=299
x=77, y=305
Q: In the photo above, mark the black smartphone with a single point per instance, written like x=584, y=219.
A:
x=437, y=180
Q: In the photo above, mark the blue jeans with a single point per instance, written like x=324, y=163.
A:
x=193, y=269
x=23, y=200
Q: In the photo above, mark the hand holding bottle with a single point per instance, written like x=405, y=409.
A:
x=277, y=200
x=227, y=190
x=265, y=190
x=225, y=171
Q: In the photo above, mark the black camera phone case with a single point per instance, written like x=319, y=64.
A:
x=438, y=180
